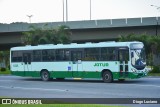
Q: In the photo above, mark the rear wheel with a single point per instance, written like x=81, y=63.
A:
x=107, y=77
x=45, y=75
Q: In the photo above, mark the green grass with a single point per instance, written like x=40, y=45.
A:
x=5, y=72
x=61, y=105
x=153, y=74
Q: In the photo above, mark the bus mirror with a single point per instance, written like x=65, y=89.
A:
x=132, y=54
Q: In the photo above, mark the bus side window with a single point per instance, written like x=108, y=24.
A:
x=29, y=58
x=25, y=58
x=124, y=56
x=16, y=56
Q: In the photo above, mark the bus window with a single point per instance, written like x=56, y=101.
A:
x=27, y=58
x=62, y=55
x=76, y=55
x=124, y=55
x=16, y=56
x=48, y=55
x=91, y=54
x=36, y=55
x=108, y=54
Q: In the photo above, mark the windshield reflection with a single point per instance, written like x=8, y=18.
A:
x=138, y=57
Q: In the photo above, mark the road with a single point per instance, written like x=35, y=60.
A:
x=14, y=86
x=24, y=87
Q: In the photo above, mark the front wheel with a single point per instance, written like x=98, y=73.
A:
x=107, y=77
x=45, y=75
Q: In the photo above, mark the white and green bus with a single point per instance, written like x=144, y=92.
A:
x=106, y=60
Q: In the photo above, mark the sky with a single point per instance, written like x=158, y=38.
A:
x=52, y=10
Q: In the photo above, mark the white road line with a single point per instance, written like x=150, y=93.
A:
x=24, y=88
x=7, y=80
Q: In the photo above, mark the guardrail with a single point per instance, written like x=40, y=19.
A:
x=109, y=23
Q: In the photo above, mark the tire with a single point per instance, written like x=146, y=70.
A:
x=107, y=77
x=45, y=76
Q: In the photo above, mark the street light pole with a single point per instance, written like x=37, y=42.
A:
x=66, y=11
x=63, y=9
x=158, y=8
x=90, y=9
x=29, y=16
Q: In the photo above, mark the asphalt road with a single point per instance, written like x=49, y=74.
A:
x=22, y=87
x=14, y=86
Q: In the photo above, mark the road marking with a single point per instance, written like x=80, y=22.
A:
x=7, y=80
x=24, y=88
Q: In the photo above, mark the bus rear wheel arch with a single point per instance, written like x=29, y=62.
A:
x=107, y=76
x=45, y=75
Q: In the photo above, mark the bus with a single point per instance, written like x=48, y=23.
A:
x=107, y=61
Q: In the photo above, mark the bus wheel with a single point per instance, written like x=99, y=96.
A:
x=45, y=75
x=107, y=77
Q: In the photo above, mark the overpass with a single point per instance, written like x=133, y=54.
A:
x=85, y=31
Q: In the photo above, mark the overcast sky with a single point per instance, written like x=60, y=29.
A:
x=52, y=10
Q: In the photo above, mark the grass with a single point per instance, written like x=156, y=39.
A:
x=153, y=74
x=61, y=105
x=5, y=72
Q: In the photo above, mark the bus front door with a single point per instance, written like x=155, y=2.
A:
x=27, y=63
x=76, y=57
x=123, y=62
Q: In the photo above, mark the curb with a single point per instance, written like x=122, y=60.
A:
x=152, y=77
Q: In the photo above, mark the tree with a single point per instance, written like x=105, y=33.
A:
x=151, y=43
x=4, y=58
x=46, y=35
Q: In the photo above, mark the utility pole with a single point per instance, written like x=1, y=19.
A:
x=158, y=8
x=63, y=9
x=29, y=16
x=90, y=9
x=66, y=10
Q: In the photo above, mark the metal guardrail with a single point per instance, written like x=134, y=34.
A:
x=109, y=23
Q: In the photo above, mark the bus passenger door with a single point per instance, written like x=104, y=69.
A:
x=27, y=63
x=76, y=58
x=123, y=56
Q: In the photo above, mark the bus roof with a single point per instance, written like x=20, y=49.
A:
x=74, y=45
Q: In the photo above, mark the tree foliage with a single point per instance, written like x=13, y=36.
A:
x=4, y=58
x=46, y=35
x=151, y=43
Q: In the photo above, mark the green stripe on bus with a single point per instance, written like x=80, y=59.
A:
x=78, y=74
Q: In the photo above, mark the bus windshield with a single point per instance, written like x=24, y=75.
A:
x=138, y=58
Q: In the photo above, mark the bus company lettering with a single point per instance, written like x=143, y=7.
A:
x=101, y=64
